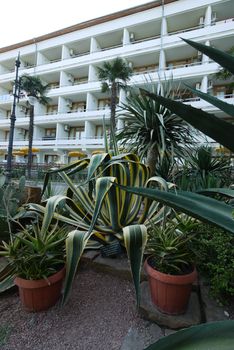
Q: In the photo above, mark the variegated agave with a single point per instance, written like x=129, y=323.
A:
x=102, y=212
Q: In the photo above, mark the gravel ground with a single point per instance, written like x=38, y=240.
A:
x=98, y=315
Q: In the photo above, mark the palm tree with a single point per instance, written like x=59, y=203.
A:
x=113, y=77
x=33, y=87
x=152, y=131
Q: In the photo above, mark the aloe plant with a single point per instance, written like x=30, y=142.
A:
x=101, y=213
x=215, y=336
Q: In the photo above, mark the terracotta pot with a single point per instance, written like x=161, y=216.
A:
x=39, y=295
x=170, y=293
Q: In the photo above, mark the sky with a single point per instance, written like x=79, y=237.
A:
x=27, y=19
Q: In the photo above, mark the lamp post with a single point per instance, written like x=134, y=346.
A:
x=16, y=93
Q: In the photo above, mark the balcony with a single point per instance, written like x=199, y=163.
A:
x=66, y=143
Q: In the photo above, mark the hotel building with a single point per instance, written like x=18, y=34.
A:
x=148, y=37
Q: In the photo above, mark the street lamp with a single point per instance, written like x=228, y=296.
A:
x=16, y=93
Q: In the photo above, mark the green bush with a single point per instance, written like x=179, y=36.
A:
x=215, y=252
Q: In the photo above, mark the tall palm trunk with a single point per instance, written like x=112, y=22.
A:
x=113, y=112
x=30, y=141
x=151, y=159
x=113, y=104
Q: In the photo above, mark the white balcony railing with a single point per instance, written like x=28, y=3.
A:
x=60, y=143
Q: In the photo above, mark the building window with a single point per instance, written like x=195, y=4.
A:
x=50, y=134
x=99, y=131
x=76, y=133
x=52, y=109
x=78, y=106
x=51, y=158
x=34, y=159
x=104, y=103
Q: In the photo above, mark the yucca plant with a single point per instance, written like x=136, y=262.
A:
x=197, y=205
x=204, y=170
x=151, y=130
x=103, y=214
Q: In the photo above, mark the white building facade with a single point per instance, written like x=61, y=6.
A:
x=148, y=37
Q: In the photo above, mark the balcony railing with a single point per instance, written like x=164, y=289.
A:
x=61, y=142
x=199, y=26
x=6, y=98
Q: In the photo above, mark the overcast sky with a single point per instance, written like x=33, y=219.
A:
x=26, y=19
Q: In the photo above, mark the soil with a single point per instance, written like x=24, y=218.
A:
x=98, y=315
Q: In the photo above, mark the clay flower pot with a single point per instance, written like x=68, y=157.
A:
x=170, y=293
x=39, y=295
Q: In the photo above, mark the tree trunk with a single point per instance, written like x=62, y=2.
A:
x=113, y=105
x=152, y=158
x=30, y=140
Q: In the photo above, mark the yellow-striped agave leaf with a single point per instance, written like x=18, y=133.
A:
x=96, y=161
x=135, y=237
x=71, y=168
x=51, y=205
x=75, y=245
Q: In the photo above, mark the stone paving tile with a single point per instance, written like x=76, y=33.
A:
x=139, y=337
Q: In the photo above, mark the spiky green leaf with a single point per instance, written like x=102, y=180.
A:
x=75, y=245
x=225, y=107
x=216, y=128
x=224, y=59
x=196, y=205
x=215, y=336
x=135, y=237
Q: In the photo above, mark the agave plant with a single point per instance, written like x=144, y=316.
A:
x=103, y=214
x=214, y=335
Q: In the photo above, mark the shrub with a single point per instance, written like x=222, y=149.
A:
x=215, y=252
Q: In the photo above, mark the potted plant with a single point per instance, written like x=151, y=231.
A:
x=36, y=257
x=170, y=265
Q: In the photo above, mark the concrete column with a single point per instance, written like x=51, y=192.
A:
x=162, y=60
x=92, y=73
x=38, y=133
x=94, y=45
x=164, y=27
x=63, y=105
x=66, y=79
x=205, y=59
x=204, y=84
x=91, y=102
x=64, y=157
x=40, y=110
x=40, y=157
x=65, y=52
x=122, y=96
x=89, y=130
x=41, y=59
x=208, y=16
x=60, y=132
x=126, y=37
